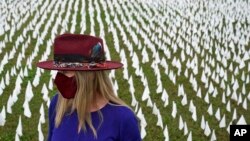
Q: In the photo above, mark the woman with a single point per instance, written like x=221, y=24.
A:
x=86, y=108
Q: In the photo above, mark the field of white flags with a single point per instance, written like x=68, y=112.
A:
x=186, y=63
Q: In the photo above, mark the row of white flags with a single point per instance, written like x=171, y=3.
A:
x=168, y=36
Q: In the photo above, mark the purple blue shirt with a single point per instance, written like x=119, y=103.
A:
x=119, y=124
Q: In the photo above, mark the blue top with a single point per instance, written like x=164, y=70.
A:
x=119, y=124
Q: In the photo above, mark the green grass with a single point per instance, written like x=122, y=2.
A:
x=30, y=133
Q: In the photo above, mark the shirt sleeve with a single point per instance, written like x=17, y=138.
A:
x=52, y=116
x=129, y=129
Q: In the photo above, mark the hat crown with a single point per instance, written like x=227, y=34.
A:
x=78, y=48
x=79, y=52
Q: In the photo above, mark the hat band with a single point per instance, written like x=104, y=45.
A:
x=79, y=65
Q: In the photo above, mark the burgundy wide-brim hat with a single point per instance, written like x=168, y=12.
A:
x=76, y=52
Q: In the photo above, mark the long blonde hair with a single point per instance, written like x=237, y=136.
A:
x=88, y=84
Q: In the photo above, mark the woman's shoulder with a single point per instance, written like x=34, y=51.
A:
x=54, y=100
x=127, y=122
x=52, y=105
x=52, y=114
x=121, y=111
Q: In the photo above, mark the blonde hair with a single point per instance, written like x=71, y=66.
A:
x=89, y=83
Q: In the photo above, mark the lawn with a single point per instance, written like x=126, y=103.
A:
x=186, y=72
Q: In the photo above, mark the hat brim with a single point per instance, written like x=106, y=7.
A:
x=48, y=65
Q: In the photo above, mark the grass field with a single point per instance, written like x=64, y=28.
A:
x=191, y=56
